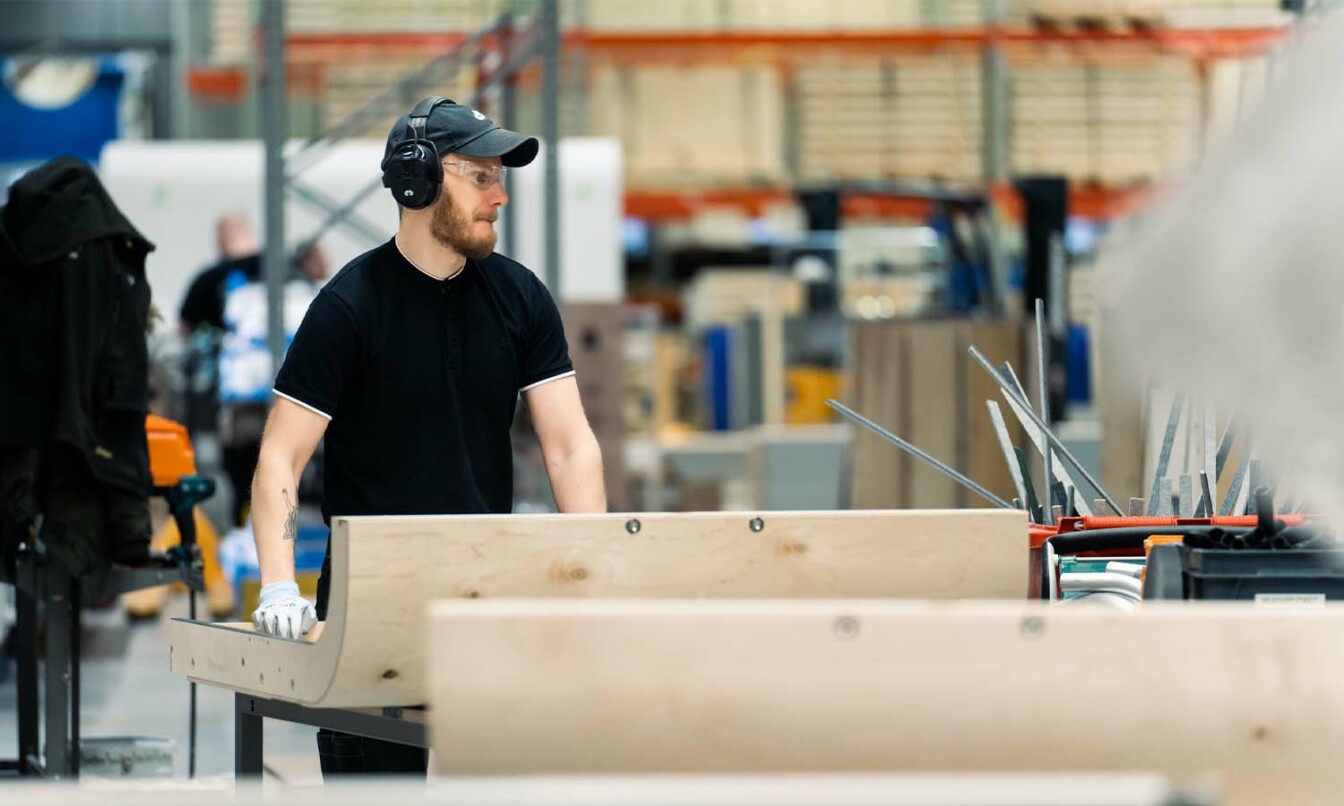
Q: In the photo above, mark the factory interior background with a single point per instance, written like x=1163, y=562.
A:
x=746, y=210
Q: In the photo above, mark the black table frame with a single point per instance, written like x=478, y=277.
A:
x=387, y=724
x=44, y=585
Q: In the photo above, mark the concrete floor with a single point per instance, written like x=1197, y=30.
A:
x=127, y=690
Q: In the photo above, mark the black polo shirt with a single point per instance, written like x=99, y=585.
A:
x=420, y=378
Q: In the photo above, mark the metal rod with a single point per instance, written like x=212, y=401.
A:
x=1018, y=403
x=912, y=450
x=342, y=214
x=1050, y=437
x=76, y=605
x=509, y=113
x=191, y=718
x=1254, y=481
x=1033, y=504
x=1234, y=491
x=57, y=691
x=1164, y=456
x=1211, y=441
x=550, y=128
x=1006, y=445
x=275, y=128
x=1043, y=389
x=1206, y=503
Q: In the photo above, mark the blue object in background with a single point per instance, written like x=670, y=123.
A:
x=310, y=548
x=80, y=129
x=718, y=346
x=1078, y=386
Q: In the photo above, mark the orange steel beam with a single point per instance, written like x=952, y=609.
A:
x=718, y=46
x=1086, y=201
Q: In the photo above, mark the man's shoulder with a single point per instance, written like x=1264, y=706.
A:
x=509, y=274
x=358, y=278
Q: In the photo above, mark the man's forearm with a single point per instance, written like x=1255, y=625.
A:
x=275, y=519
x=576, y=479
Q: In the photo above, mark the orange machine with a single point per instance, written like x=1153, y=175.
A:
x=171, y=457
x=172, y=465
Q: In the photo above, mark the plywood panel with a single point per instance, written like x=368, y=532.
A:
x=880, y=471
x=385, y=569
x=623, y=686
x=933, y=397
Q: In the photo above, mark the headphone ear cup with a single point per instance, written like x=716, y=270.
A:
x=414, y=175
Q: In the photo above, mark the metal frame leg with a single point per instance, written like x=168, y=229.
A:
x=76, y=634
x=247, y=738
x=25, y=653
x=57, y=756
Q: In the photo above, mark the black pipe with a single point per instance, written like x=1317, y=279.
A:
x=1264, y=509
x=1124, y=537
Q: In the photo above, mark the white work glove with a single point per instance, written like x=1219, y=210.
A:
x=283, y=612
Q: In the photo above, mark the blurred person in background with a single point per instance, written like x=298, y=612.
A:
x=201, y=319
x=245, y=372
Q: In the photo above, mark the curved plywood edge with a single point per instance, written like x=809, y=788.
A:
x=237, y=657
x=621, y=686
x=386, y=569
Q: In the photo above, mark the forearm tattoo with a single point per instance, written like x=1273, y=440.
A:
x=291, y=518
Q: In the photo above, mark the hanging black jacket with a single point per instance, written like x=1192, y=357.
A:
x=74, y=304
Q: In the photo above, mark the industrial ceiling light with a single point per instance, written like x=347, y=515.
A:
x=50, y=83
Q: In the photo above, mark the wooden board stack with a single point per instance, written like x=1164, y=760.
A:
x=913, y=117
x=681, y=126
x=1109, y=122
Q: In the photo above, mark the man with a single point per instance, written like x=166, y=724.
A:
x=201, y=320
x=411, y=361
x=244, y=360
x=203, y=303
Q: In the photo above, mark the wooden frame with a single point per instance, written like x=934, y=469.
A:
x=385, y=570
x=614, y=687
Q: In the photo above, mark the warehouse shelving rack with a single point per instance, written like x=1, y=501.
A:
x=310, y=54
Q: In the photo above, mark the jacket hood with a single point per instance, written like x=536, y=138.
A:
x=57, y=208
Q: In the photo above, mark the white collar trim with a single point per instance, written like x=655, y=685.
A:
x=407, y=258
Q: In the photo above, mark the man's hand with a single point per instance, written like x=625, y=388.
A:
x=283, y=612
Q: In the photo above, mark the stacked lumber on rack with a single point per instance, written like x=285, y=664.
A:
x=686, y=126
x=1128, y=15
x=910, y=117
x=1113, y=122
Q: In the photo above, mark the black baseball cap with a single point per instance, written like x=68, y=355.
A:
x=458, y=129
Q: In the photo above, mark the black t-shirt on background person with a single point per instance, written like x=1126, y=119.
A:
x=204, y=300
x=420, y=379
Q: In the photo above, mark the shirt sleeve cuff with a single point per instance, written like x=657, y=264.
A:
x=313, y=409
x=568, y=374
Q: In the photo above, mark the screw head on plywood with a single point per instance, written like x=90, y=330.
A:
x=1033, y=627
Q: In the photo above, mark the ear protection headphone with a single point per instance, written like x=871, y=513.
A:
x=412, y=171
